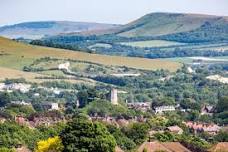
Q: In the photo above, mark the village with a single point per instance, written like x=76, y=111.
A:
x=53, y=116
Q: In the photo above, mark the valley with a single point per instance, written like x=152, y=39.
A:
x=159, y=83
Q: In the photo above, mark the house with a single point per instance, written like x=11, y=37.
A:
x=20, y=120
x=190, y=70
x=22, y=149
x=219, y=147
x=122, y=122
x=142, y=106
x=2, y=86
x=2, y=120
x=118, y=149
x=16, y=86
x=126, y=74
x=22, y=103
x=207, y=110
x=44, y=121
x=162, y=109
x=203, y=127
x=218, y=78
x=36, y=94
x=165, y=146
x=175, y=129
x=64, y=66
x=49, y=106
x=167, y=78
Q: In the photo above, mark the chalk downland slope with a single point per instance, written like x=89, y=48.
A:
x=161, y=24
x=17, y=55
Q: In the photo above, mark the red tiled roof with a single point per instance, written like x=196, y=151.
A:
x=220, y=147
x=166, y=146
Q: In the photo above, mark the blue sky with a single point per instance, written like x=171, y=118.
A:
x=104, y=11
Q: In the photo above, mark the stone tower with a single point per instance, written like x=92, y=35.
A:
x=114, y=97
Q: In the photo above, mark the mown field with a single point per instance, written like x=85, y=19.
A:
x=205, y=59
x=13, y=74
x=17, y=55
x=152, y=43
x=14, y=56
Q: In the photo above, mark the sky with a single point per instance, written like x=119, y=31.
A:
x=102, y=11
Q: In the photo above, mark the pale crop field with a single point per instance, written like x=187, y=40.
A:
x=152, y=43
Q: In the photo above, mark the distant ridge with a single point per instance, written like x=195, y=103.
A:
x=189, y=28
x=167, y=26
x=36, y=30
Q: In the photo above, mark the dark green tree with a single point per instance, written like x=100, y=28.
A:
x=4, y=99
x=83, y=98
x=82, y=135
x=222, y=104
x=138, y=132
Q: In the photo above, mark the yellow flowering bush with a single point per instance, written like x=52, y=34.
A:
x=50, y=145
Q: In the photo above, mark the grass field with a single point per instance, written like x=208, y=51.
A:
x=152, y=43
x=14, y=56
x=14, y=74
x=191, y=59
x=19, y=55
x=104, y=45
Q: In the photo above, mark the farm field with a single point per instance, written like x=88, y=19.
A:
x=14, y=74
x=104, y=45
x=17, y=55
x=152, y=43
x=216, y=48
x=36, y=77
x=190, y=59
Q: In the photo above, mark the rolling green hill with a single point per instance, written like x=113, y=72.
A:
x=176, y=26
x=15, y=55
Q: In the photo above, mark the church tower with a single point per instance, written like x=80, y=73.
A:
x=114, y=96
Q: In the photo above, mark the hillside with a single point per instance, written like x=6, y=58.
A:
x=36, y=30
x=169, y=24
x=17, y=55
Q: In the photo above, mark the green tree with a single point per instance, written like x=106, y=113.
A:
x=83, y=98
x=121, y=139
x=222, y=136
x=4, y=99
x=82, y=135
x=138, y=132
x=222, y=104
x=4, y=149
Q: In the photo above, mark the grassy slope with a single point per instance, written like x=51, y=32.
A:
x=157, y=24
x=19, y=55
x=13, y=74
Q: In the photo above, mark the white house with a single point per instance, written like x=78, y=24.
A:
x=142, y=106
x=50, y=106
x=23, y=103
x=162, y=109
x=175, y=129
x=64, y=66
x=2, y=86
x=190, y=70
x=18, y=86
